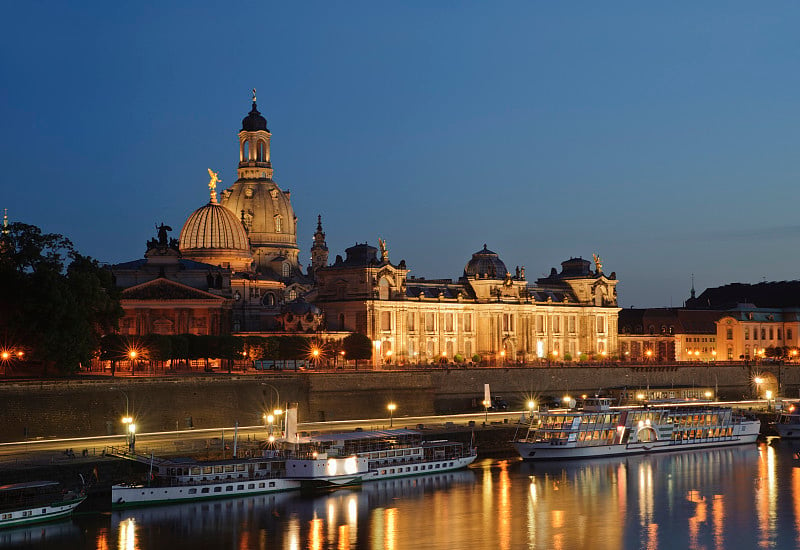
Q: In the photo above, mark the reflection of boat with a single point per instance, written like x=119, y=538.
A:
x=384, y=454
x=599, y=430
x=37, y=534
x=34, y=502
x=788, y=423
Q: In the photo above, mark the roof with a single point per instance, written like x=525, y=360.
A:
x=27, y=485
x=768, y=294
x=351, y=436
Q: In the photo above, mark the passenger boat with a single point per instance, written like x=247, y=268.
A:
x=788, y=423
x=600, y=430
x=185, y=479
x=384, y=454
x=34, y=502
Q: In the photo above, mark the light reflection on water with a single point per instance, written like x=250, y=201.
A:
x=741, y=497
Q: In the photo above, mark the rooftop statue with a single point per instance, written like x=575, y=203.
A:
x=384, y=251
x=598, y=264
x=212, y=184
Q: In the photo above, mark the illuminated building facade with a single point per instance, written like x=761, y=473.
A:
x=488, y=312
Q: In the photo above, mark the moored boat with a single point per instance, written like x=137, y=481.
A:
x=384, y=454
x=185, y=479
x=599, y=430
x=35, y=501
x=788, y=424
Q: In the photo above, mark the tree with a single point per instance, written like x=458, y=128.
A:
x=56, y=303
x=357, y=346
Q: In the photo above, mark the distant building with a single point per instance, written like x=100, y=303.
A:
x=668, y=334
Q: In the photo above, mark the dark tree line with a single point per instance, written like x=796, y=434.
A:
x=55, y=303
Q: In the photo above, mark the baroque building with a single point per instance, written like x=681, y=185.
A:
x=488, y=312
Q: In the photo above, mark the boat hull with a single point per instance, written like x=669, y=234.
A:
x=539, y=451
x=128, y=496
x=788, y=431
x=429, y=467
x=39, y=514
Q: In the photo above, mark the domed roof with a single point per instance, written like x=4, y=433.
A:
x=254, y=122
x=485, y=264
x=213, y=227
x=299, y=306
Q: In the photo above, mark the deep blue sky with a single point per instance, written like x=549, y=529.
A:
x=663, y=136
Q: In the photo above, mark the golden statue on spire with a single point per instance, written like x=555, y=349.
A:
x=212, y=185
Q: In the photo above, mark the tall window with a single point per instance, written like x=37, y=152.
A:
x=429, y=322
x=468, y=322
x=508, y=322
x=540, y=324
x=341, y=321
x=746, y=333
x=278, y=224
x=729, y=334
x=601, y=324
x=285, y=269
x=410, y=322
x=557, y=324
x=448, y=322
x=386, y=321
x=383, y=289
x=573, y=322
x=788, y=334
x=763, y=334
x=468, y=350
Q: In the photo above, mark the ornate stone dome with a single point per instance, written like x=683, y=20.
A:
x=212, y=234
x=485, y=264
x=269, y=217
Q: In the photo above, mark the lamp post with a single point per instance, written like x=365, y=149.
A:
x=531, y=406
x=132, y=438
x=132, y=355
x=391, y=407
x=486, y=411
x=758, y=381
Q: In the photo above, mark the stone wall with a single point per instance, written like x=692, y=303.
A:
x=95, y=407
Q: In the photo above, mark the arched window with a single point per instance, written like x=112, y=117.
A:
x=245, y=150
x=285, y=269
x=278, y=224
x=268, y=300
x=383, y=289
x=262, y=150
x=292, y=294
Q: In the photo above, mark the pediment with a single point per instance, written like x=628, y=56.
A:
x=166, y=290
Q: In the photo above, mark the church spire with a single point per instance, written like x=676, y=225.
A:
x=254, y=139
x=319, y=250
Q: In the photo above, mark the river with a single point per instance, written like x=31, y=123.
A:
x=740, y=497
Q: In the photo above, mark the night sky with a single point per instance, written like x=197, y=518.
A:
x=662, y=136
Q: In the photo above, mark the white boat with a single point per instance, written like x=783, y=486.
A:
x=184, y=479
x=788, y=423
x=599, y=430
x=384, y=454
x=34, y=502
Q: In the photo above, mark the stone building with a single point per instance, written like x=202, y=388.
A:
x=488, y=311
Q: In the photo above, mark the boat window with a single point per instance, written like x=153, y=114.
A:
x=217, y=489
x=204, y=490
x=207, y=469
x=229, y=468
x=240, y=487
x=271, y=484
x=217, y=469
x=240, y=467
x=196, y=470
x=229, y=488
x=192, y=491
x=261, y=485
x=251, y=485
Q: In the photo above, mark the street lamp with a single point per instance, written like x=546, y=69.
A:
x=503, y=356
x=132, y=355
x=391, y=408
x=531, y=406
x=486, y=404
x=132, y=437
x=758, y=381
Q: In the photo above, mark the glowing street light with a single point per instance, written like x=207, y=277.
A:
x=132, y=437
x=758, y=381
x=486, y=404
x=391, y=407
x=531, y=406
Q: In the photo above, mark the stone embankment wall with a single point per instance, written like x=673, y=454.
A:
x=94, y=407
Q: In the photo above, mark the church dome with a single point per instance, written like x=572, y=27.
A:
x=212, y=234
x=485, y=264
x=269, y=217
x=254, y=122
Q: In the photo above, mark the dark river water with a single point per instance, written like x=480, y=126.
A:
x=741, y=497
